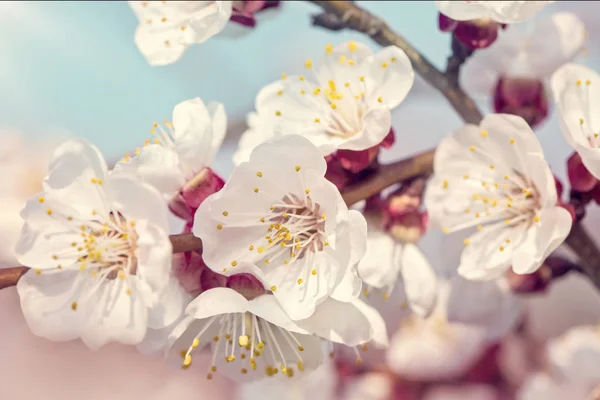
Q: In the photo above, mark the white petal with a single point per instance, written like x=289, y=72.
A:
x=115, y=315
x=350, y=286
x=420, y=281
x=160, y=36
x=577, y=103
x=46, y=301
x=154, y=254
x=137, y=201
x=376, y=125
x=156, y=166
x=170, y=306
x=334, y=64
x=390, y=76
x=554, y=42
x=490, y=305
x=198, y=133
x=217, y=301
x=380, y=266
x=542, y=239
x=348, y=323
x=462, y=10
x=72, y=159
x=267, y=308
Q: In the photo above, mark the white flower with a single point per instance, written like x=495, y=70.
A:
x=506, y=12
x=167, y=28
x=345, y=104
x=494, y=177
x=179, y=150
x=574, y=359
x=370, y=386
x=577, y=94
x=438, y=348
x=23, y=165
x=99, y=251
x=252, y=337
x=388, y=259
x=532, y=52
x=316, y=385
x=278, y=211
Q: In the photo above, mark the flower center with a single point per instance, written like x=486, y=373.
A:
x=296, y=230
x=248, y=340
x=106, y=248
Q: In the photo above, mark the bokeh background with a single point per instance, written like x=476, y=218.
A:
x=71, y=69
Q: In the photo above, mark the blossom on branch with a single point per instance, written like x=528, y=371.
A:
x=343, y=104
x=279, y=212
x=505, y=12
x=252, y=337
x=167, y=28
x=493, y=177
x=99, y=253
x=576, y=92
x=515, y=70
x=176, y=160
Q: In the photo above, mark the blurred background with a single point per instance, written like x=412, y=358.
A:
x=71, y=69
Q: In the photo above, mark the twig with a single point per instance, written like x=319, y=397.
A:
x=181, y=243
x=460, y=54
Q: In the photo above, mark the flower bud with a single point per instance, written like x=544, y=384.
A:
x=475, y=34
x=579, y=177
x=407, y=198
x=202, y=185
x=211, y=280
x=524, y=97
x=188, y=268
x=243, y=11
x=389, y=140
x=356, y=161
x=247, y=285
x=538, y=281
x=336, y=174
x=407, y=227
x=179, y=208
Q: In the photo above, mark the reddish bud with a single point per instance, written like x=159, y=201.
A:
x=243, y=11
x=180, y=208
x=407, y=227
x=538, y=281
x=247, y=285
x=446, y=24
x=389, y=140
x=211, y=279
x=356, y=161
x=189, y=268
x=523, y=97
x=477, y=33
x=407, y=198
x=336, y=174
x=579, y=177
x=202, y=185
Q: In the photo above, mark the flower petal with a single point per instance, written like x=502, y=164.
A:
x=542, y=239
x=420, y=281
x=217, y=301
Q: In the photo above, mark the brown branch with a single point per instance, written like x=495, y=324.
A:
x=387, y=175
x=181, y=243
x=587, y=252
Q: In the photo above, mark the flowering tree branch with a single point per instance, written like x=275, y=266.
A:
x=345, y=14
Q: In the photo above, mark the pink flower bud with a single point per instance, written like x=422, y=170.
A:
x=202, y=185
x=477, y=33
x=211, y=280
x=180, y=208
x=247, y=285
x=389, y=140
x=356, y=161
x=579, y=177
x=243, y=11
x=538, y=281
x=407, y=227
x=446, y=24
x=189, y=268
x=523, y=97
x=407, y=198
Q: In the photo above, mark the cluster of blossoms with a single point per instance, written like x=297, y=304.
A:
x=286, y=267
